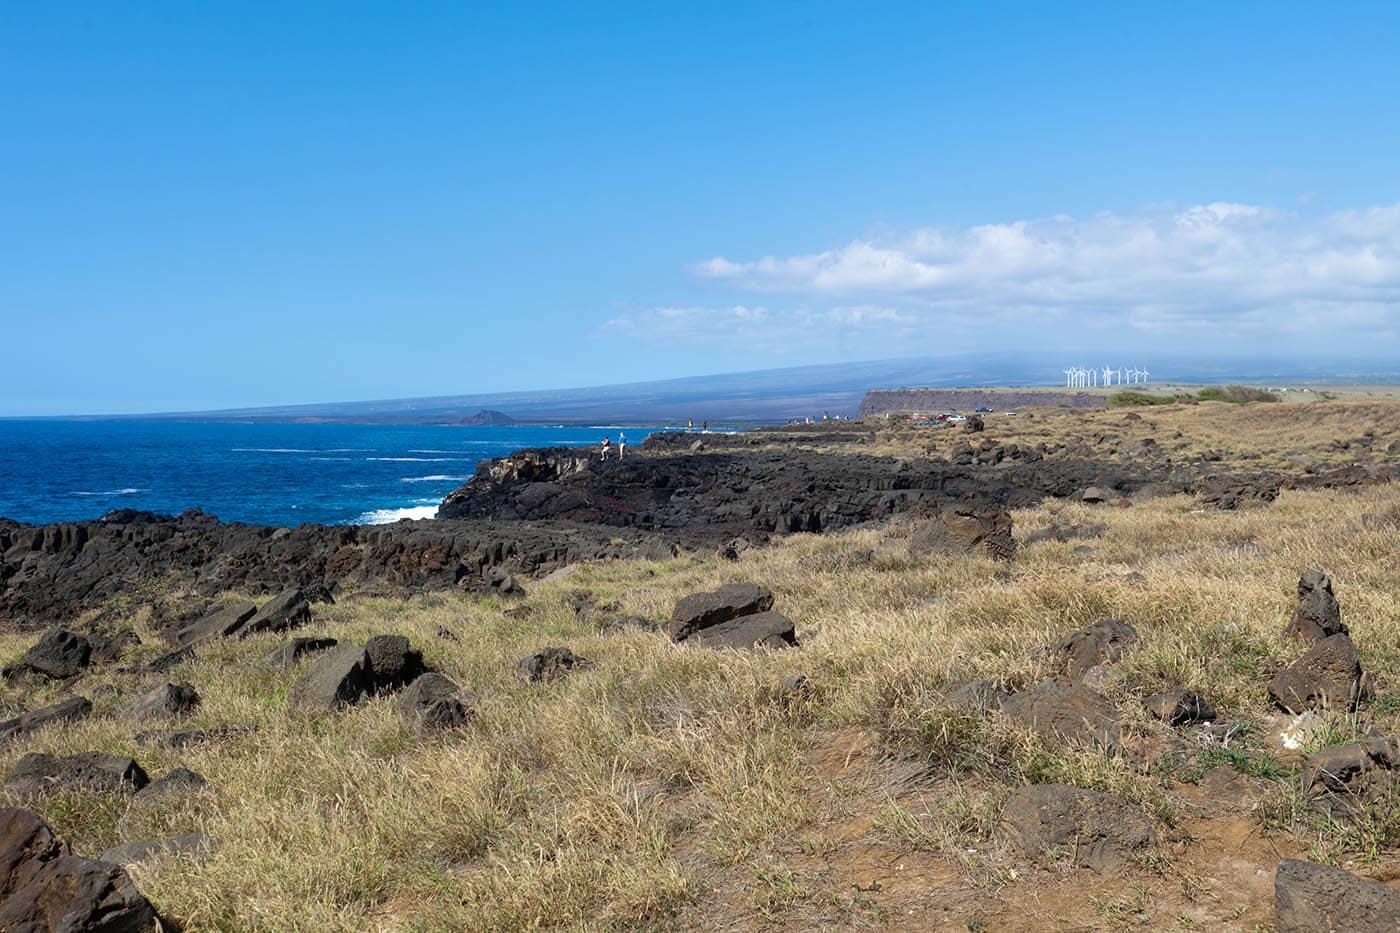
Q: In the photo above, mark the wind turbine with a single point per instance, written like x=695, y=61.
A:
x=1069, y=378
x=1144, y=375
x=1107, y=376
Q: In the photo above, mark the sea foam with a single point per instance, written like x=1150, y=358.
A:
x=386, y=516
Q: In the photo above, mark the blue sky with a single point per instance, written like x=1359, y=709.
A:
x=211, y=205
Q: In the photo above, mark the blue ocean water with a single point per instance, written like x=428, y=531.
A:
x=267, y=474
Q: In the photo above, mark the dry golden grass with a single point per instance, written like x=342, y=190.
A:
x=669, y=787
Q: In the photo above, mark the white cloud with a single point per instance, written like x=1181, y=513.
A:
x=1222, y=267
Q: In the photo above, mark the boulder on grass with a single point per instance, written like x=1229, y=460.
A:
x=1327, y=677
x=217, y=624
x=956, y=531
x=168, y=701
x=702, y=610
x=1309, y=898
x=1065, y=711
x=60, y=654
x=285, y=657
x=1098, y=831
x=392, y=663
x=435, y=702
x=174, y=783
x=38, y=773
x=69, y=710
x=43, y=887
x=549, y=665
x=193, y=845
x=288, y=609
x=1101, y=642
x=762, y=629
x=1359, y=771
x=337, y=678
x=1318, y=615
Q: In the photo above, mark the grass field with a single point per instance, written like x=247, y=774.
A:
x=667, y=787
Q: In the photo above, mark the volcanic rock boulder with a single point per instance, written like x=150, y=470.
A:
x=1359, y=771
x=43, y=887
x=737, y=615
x=1099, y=831
x=174, y=783
x=1328, y=677
x=288, y=609
x=762, y=629
x=290, y=653
x=1066, y=711
x=1309, y=898
x=702, y=610
x=435, y=702
x=1101, y=642
x=337, y=678
x=965, y=531
x=38, y=773
x=1179, y=707
x=392, y=663
x=168, y=701
x=1318, y=615
x=129, y=853
x=60, y=654
x=217, y=624
x=549, y=665
x=69, y=710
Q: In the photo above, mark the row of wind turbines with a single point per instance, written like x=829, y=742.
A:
x=1079, y=377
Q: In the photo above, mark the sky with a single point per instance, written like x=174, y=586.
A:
x=230, y=204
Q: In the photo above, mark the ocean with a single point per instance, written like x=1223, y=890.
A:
x=266, y=474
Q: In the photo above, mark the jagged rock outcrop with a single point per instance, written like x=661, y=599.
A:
x=53, y=572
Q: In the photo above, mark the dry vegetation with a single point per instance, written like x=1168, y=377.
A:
x=669, y=787
x=666, y=787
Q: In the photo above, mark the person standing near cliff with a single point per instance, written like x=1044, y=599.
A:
x=690, y=425
x=621, y=445
x=607, y=446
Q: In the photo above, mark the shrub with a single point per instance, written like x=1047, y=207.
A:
x=1235, y=394
x=1128, y=399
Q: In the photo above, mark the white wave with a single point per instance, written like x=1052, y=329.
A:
x=431, y=450
x=385, y=516
x=128, y=491
x=435, y=478
x=272, y=450
x=418, y=459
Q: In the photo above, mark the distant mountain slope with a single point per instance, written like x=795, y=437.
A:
x=775, y=395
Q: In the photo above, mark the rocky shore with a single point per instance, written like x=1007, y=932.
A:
x=539, y=510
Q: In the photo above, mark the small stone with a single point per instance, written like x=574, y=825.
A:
x=549, y=664
x=129, y=853
x=168, y=701
x=1179, y=707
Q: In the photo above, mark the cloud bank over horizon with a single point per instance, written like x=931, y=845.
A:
x=1167, y=276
